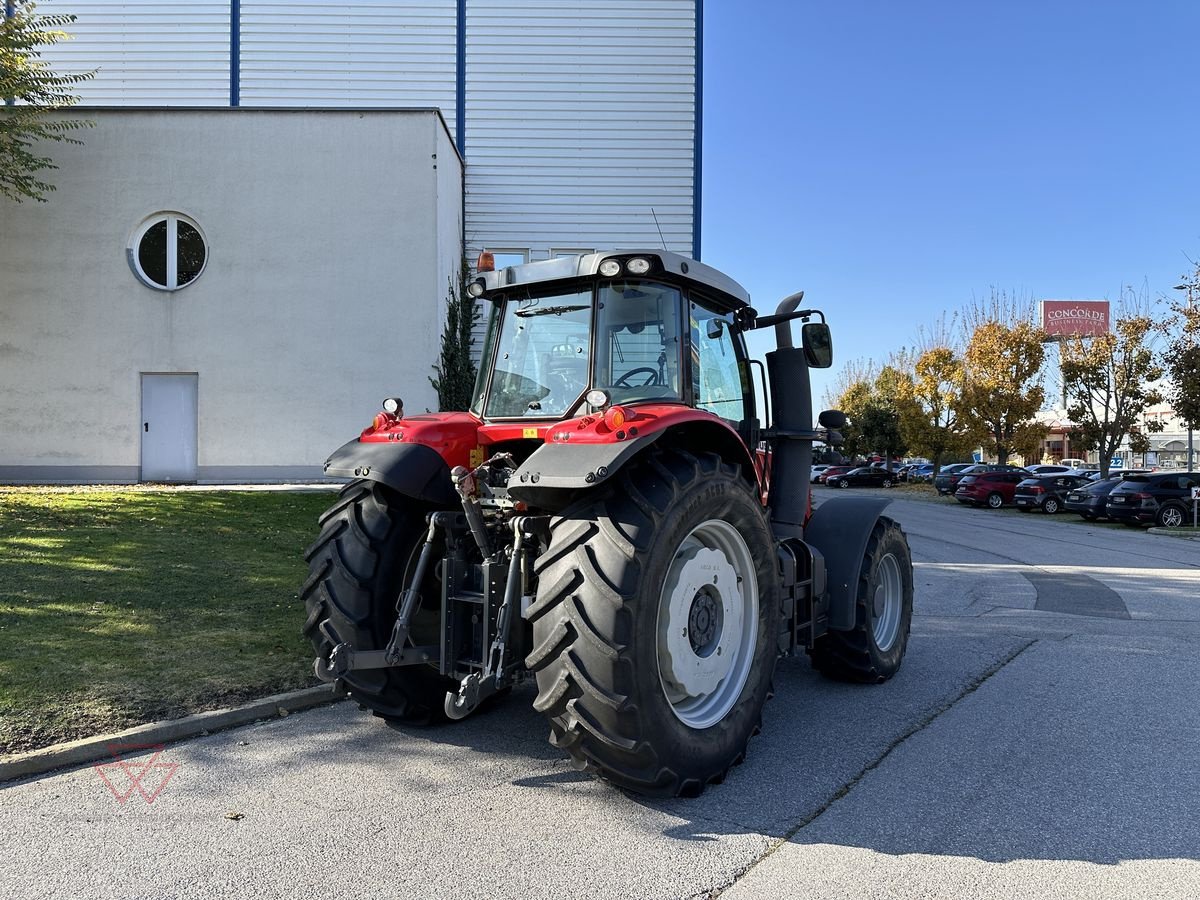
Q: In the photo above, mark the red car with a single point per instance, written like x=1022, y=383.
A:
x=993, y=489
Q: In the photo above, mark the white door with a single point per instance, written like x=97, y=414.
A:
x=169, y=427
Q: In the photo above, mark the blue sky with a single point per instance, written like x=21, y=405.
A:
x=896, y=159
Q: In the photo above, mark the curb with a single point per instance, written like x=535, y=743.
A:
x=1170, y=532
x=85, y=750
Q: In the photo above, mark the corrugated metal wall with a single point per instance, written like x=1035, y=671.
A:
x=364, y=53
x=147, y=53
x=580, y=120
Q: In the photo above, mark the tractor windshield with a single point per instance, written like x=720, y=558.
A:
x=545, y=361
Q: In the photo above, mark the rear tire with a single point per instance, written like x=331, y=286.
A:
x=627, y=697
x=872, y=651
x=1170, y=517
x=358, y=565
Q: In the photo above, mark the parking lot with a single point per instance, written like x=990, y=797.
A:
x=1040, y=740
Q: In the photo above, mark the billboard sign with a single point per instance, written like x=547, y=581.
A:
x=1075, y=318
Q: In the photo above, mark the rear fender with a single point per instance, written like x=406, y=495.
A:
x=840, y=529
x=413, y=470
x=554, y=474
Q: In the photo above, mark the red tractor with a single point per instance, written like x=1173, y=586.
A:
x=613, y=518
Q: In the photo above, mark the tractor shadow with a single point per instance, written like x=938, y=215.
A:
x=972, y=750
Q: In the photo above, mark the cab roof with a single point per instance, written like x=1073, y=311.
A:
x=586, y=265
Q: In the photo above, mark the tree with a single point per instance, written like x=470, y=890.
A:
x=1181, y=356
x=873, y=408
x=1108, y=380
x=1002, y=386
x=455, y=371
x=931, y=419
x=38, y=93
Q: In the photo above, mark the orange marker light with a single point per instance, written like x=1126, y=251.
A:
x=615, y=416
x=486, y=262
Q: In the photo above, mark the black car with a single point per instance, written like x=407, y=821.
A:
x=1046, y=492
x=865, y=476
x=1159, y=499
x=1090, y=498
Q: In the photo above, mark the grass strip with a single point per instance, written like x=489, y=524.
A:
x=119, y=607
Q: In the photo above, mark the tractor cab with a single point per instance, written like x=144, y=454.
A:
x=571, y=336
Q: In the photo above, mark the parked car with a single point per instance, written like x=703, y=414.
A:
x=919, y=473
x=993, y=489
x=833, y=470
x=942, y=482
x=953, y=480
x=865, y=476
x=1117, y=473
x=817, y=471
x=1046, y=492
x=1088, y=499
x=1047, y=469
x=1163, y=498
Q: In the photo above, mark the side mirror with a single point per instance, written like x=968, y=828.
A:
x=715, y=328
x=818, y=344
x=832, y=418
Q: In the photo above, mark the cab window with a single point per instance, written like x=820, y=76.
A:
x=716, y=368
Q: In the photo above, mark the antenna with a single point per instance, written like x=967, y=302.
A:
x=659, y=227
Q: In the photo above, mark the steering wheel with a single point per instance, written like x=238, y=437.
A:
x=643, y=370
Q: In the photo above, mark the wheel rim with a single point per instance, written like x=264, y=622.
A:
x=707, y=624
x=1172, y=518
x=1051, y=506
x=995, y=501
x=887, y=603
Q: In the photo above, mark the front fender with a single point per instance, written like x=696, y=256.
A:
x=840, y=529
x=411, y=469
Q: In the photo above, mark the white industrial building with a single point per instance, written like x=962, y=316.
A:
x=253, y=246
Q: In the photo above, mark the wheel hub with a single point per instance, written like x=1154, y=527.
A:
x=704, y=619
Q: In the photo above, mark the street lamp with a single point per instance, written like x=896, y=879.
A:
x=1189, y=288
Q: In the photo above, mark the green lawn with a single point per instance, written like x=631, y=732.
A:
x=119, y=607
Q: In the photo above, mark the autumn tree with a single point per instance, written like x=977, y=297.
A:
x=1181, y=356
x=1002, y=386
x=36, y=93
x=931, y=419
x=1109, y=382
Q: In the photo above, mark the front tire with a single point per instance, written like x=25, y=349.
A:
x=654, y=677
x=1050, y=506
x=363, y=557
x=872, y=651
x=995, y=501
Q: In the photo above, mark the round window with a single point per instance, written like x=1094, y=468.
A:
x=168, y=251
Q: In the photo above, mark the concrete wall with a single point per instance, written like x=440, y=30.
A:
x=330, y=235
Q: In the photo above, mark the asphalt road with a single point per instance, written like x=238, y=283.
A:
x=1041, y=740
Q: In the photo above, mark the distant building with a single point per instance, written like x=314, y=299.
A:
x=254, y=245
